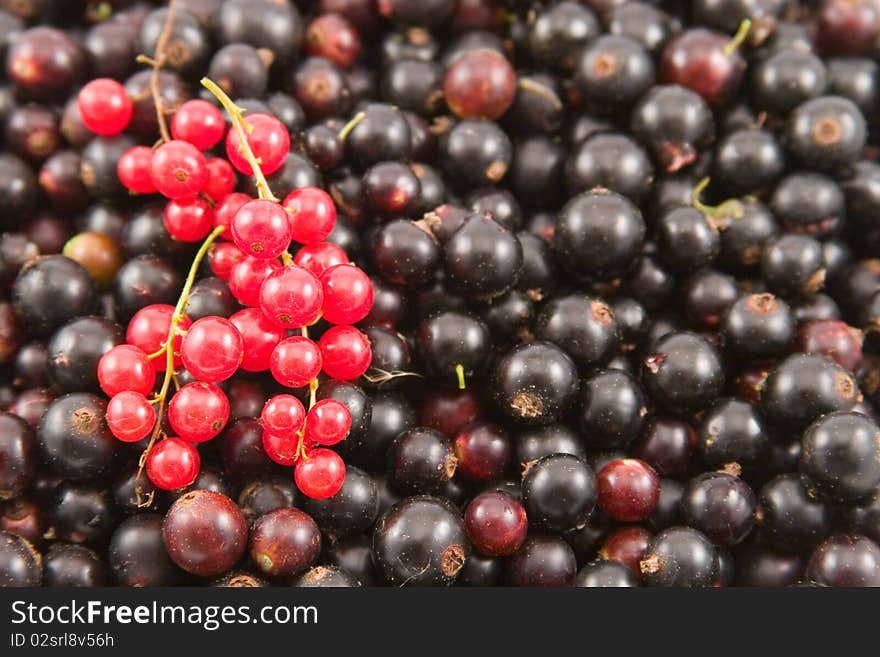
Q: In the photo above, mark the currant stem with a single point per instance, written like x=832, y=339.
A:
x=729, y=208
x=168, y=346
x=157, y=61
x=351, y=125
x=741, y=33
x=313, y=391
x=286, y=258
x=459, y=372
x=242, y=128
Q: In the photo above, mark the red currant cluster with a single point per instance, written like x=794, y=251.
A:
x=281, y=293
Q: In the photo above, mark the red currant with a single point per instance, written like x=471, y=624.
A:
x=247, y=277
x=312, y=214
x=319, y=257
x=348, y=294
x=212, y=349
x=133, y=170
x=261, y=229
x=328, y=422
x=291, y=297
x=345, y=352
x=320, y=475
x=259, y=335
x=130, y=416
x=148, y=330
x=223, y=257
x=295, y=361
x=268, y=139
x=198, y=122
x=629, y=489
x=125, y=367
x=198, y=411
x=178, y=169
x=226, y=209
x=189, y=219
x=283, y=415
x=105, y=107
x=221, y=179
x=284, y=450
x=173, y=463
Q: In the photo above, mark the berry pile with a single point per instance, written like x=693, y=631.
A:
x=470, y=292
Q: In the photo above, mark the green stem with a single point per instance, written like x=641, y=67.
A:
x=459, y=373
x=240, y=125
x=741, y=33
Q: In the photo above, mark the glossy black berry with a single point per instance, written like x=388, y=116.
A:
x=841, y=456
x=789, y=517
x=137, y=553
x=74, y=437
x=559, y=492
x=748, y=161
x=758, y=327
x=687, y=239
x=598, y=235
x=805, y=386
x=720, y=505
x=584, y=327
x=50, y=291
x=732, y=431
x=679, y=557
x=675, y=122
x=405, y=254
x=786, y=79
x=611, y=409
x=476, y=152
x=543, y=560
x=420, y=541
x=75, y=349
x=793, y=265
x=845, y=560
x=453, y=345
x=483, y=259
x=535, y=383
x=610, y=161
x=419, y=461
x=826, y=132
x=18, y=456
x=20, y=564
x=605, y=574
x=683, y=372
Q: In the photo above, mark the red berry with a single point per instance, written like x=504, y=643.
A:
x=627, y=545
x=125, y=367
x=312, y=214
x=247, y=277
x=198, y=122
x=291, y=297
x=261, y=229
x=178, y=169
x=320, y=475
x=332, y=37
x=149, y=328
x=173, y=463
x=259, y=335
x=496, y=523
x=105, y=107
x=345, y=352
x=268, y=139
x=629, y=489
x=284, y=450
x=328, y=422
x=130, y=416
x=318, y=257
x=223, y=257
x=198, y=411
x=221, y=179
x=133, y=170
x=226, y=209
x=295, y=361
x=283, y=415
x=348, y=294
x=189, y=219
x=480, y=84
x=212, y=349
